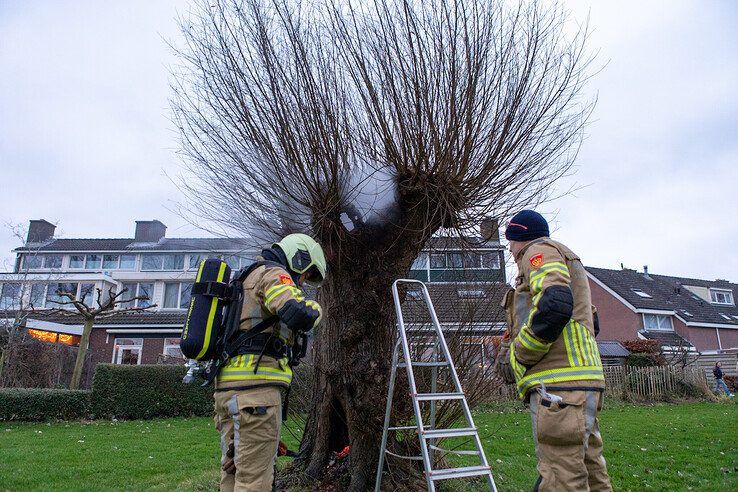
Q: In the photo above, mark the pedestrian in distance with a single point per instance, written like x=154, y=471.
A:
x=719, y=381
x=550, y=353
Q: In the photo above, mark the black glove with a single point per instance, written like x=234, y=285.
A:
x=502, y=363
x=298, y=316
x=230, y=465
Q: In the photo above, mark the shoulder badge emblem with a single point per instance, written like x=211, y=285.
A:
x=536, y=260
x=285, y=279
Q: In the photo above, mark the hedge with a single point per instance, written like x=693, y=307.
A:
x=147, y=391
x=35, y=404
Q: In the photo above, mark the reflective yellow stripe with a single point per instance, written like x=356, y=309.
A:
x=591, y=373
x=518, y=369
x=213, y=309
x=274, y=291
x=530, y=341
x=569, y=344
x=537, y=276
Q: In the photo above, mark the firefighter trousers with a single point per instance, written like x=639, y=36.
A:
x=568, y=442
x=251, y=420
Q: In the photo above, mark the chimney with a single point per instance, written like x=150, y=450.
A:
x=490, y=229
x=645, y=272
x=149, y=231
x=40, y=231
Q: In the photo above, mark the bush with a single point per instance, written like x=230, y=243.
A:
x=147, y=391
x=32, y=404
x=639, y=359
x=642, y=346
x=731, y=382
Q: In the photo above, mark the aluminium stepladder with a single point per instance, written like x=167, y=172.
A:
x=429, y=434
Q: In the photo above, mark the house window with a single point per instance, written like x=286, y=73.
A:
x=491, y=261
x=10, y=296
x=721, y=297
x=472, y=260
x=687, y=313
x=438, y=260
x=421, y=262
x=110, y=262
x=640, y=293
x=455, y=260
x=177, y=295
x=38, y=293
x=162, y=262
x=93, y=262
x=725, y=316
x=127, y=351
x=87, y=295
x=470, y=294
x=55, y=294
x=31, y=262
x=414, y=294
x=77, y=261
x=657, y=322
x=53, y=261
x=171, y=348
x=127, y=262
x=138, y=290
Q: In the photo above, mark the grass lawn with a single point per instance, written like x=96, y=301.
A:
x=661, y=447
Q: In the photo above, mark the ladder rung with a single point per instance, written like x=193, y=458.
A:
x=424, y=364
x=439, y=396
x=455, y=451
x=403, y=457
x=467, y=471
x=403, y=428
x=442, y=433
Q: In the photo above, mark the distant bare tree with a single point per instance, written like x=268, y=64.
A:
x=372, y=125
x=106, y=307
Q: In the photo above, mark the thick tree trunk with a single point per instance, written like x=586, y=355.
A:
x=81, y=353
x=352, y=356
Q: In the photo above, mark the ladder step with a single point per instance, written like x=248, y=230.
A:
x=467, y=471
x=424, y=364
x=455, y=451
x=403, y=428
x=439, y=396
x=442, y=433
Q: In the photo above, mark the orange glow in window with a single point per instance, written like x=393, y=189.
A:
x=46, y=336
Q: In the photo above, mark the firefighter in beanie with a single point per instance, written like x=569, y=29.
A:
x=248, y=387
x=550, y=353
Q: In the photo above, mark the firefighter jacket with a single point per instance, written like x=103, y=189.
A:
x=550, y=321
x=265, y=291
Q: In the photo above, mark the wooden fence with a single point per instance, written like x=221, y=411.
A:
x=641, y=382
x=653, y=382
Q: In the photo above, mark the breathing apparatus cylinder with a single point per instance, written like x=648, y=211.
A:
x=205, y=315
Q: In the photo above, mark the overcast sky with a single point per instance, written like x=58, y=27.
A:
x=86, y=141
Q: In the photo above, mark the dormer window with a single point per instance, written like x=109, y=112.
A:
x=640, y=293
x=721, y=297
x=470, y=293
x=657, y=322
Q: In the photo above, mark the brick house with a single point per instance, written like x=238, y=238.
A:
x=681, y=313
x=148, y=264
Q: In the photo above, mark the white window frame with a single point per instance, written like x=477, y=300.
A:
x=118, y=350
x=172, y=345
x=84, y=259
x=728, y=296
x=180, y=288
x=659, y=328
x=641, y=293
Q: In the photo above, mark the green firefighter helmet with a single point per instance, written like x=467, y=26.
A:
x=304, y=255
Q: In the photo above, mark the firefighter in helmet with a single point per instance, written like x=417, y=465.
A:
x=550, y=353
x=248, y=396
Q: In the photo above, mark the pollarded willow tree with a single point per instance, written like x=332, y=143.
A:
x=296, y=115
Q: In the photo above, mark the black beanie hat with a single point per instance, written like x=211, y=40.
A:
x=526, y=226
